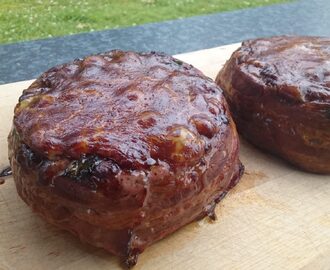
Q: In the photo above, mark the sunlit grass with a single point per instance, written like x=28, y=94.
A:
x=34, y=19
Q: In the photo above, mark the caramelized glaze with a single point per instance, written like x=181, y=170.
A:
x=123, y=148
x=278, y=89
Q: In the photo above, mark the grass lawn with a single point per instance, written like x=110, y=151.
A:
x=34, y=19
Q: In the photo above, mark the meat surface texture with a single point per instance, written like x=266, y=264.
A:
x=123, y=148
x=278, y=90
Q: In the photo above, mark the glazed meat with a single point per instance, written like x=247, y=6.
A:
x=123, y=148
x=278, y=90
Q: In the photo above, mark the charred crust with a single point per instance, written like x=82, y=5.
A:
x=152, y=72
x=82, y=169
x=120, y=161
x=28, y=157
x=91, y=171
x=268, y=75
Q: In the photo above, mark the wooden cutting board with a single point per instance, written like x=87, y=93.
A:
x=276, y=218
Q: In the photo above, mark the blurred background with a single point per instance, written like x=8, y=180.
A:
x=22, y=20
x=38, y=34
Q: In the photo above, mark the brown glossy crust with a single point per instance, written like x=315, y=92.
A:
x=278, y=90
x=123, y=148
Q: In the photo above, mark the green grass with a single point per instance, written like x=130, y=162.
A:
x=34, y=19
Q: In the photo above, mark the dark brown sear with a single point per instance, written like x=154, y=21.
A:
x=278, y=90
x=123, y=148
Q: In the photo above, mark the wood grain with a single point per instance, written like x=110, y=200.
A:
x=276, y=218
